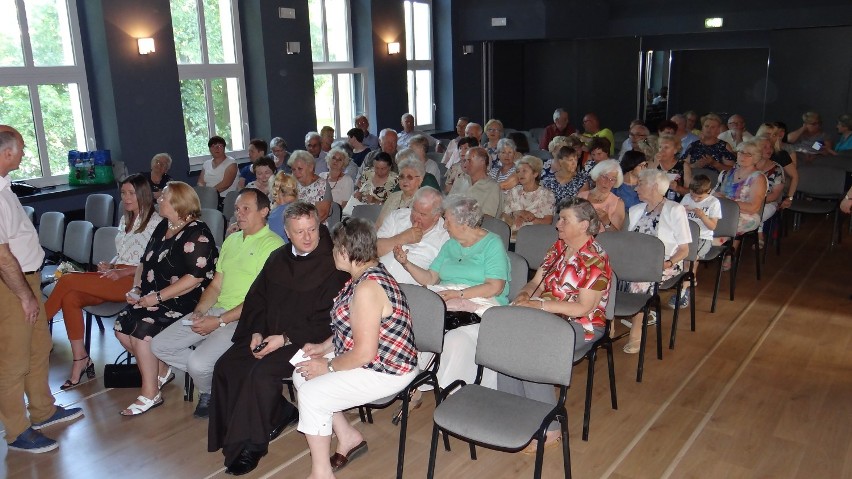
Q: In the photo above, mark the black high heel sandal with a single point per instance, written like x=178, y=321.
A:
x=89, y=371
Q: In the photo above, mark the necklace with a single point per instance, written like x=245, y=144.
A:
x=648, y=212
x=175, y=227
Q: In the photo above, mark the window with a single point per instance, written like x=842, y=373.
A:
x=418, y=51
x=43, y=87
x=339, y=89
x=210, y=67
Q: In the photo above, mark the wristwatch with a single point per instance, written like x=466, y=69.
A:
x=330, y=368
x=222, y=323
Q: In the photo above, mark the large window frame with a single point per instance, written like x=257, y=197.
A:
x=421, y=68
x=357, y=103
x=233, y=73
x=33, y=77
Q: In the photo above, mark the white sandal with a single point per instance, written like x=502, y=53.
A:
x=163, y=380
x=147, y=405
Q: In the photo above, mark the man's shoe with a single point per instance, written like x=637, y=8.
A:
x=202, y=410
x=277, y=430
x=33, y=442
x=61, y=415
x=245, y=463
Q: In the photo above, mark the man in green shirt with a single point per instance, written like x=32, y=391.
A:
x=592, y=129
x=211, y=326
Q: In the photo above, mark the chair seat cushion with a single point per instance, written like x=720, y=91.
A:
x=628, y=304
x=105, y=310
x=491, y=417
x=813, y=207
x=671, y=282
x=713, y=253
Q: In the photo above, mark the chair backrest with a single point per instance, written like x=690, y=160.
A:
x=216, y=222
x=51, y=231
x=229, y=204
x=208, y=196
x=526, y=343
x=30, y=213
x=726, y=227
x=536, y=133
x=334, y=215
x=821, y=181
x=543, y=154
x=613, y=293
x=694, y=244
x=498, y=227
x=533, y=241
x=520, y=273
x=443, y=169
x=103, y=248
x=368, y=212
x=437, y=157
x=100, y=210
x=78, y=241
x=635, y=257
x=427, y=317
x=119, y=170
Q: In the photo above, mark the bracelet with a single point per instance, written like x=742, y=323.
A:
x=541, y=304
x=461, y=293
x=328, y=364
x=159, y=298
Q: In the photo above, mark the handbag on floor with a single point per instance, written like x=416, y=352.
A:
x=457, y=319
x=123, y=373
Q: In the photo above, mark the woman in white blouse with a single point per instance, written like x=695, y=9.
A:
x=111, y=282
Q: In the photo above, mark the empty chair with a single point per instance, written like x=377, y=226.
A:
x=229, y=204
x=368, y=212
x=533, y=241
x=540, y=352
x=51, y=231
x=100, y=210
x=30, y=213
x=208, y=196
x=216, y=222
x=498, y=227
x=820, y=188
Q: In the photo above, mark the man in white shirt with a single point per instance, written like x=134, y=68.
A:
x=736, y=133
x=408, y=132
x=452, y=148
x=419, y=230
x=25, y=340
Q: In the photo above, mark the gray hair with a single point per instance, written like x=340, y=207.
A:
x=357, y=238
x=334, y=151
x=504, y=142
x=407, y=158
x=164, y=156
x=405, y=115
x=419, y=140
x=584, y=211
x=671, y=139
x=8, y=140
x=310, y=136
x=465, y=210
x=278, y=141
x=300, y=209
x=433, y=197
x=656, y=177
x=302, y=155
x=533, y=162
x=607, y=166
x=557, y=113
x=473, y=126
x=386, y=131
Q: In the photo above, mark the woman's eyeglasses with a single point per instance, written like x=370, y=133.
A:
x=408, y=177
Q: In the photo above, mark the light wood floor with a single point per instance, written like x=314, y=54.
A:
x=762, y=389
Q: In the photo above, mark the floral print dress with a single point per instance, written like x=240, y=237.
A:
x=191, y=251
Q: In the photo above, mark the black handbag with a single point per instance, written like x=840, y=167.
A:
x=123, y=373
x=457, y=319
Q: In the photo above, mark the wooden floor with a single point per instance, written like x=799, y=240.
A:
x=762, y=389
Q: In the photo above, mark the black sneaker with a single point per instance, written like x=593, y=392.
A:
x=61, y=415
x=33, y=442
x=202, y=409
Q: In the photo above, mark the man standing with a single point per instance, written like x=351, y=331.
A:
x=736, y=133
x=215, y=318
x=482, y=188
x=419, y=230
x=371, y=141
x=25, y=340
x=592, y=128
x=286, y=307
x=561, y=127
x=408, y=132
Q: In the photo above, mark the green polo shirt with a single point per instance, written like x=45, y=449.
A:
x=240, y=261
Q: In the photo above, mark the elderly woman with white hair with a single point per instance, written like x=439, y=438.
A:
x=412, y=171
x=312, y=188
x=665, y=219
x=158, y=177
x=471, y=274
x=607, y=175
x=503, y=171
x=528, y=203
x=340, y=183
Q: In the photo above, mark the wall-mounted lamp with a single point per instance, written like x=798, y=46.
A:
x=146, y=45
x=393, y=48
x=467, y=49
x=715, y=22
x=294, y=48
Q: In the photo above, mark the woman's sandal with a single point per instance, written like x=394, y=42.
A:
x=89, y=371
x=632, y=347
x=147, y=405
x=163, y=380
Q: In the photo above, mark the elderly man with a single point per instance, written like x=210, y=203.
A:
x=387, y=142
x=279, y=154
x=215, y=318
x=685, y=136
x=482, y=188
x=419, y=230
x=371, y=141
x=638, y=133
x=592, y=128
x=408, y=132
x=25, y=340
x=736, y=133
x=313, y=145
x=286, y=307
x=453, y=147
x=561, y=127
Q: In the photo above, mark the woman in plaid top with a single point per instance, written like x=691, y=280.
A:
x=370, y=355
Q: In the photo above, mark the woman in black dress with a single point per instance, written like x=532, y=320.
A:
x=180, y=257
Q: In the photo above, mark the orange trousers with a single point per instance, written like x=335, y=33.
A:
x=74, y=291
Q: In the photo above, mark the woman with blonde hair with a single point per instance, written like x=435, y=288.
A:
x=678, y=171
x=285, y=190
x=709, y=151
x=528, y=203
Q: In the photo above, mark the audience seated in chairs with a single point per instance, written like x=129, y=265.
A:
x=256, y=150
x=784, y=158
x=709, y=151
x=219, y=172
x=411, y=174
x=561, y=126
x=704, y=209
x=775, y=181
x=285, y=190
x=313, y=188
x=458, y=171
x=632, y=163
x=482, y=188
x=387, y=144
x=677, y=169
x=564, y=177
x=158, y=177
x=528, y=203
x=419, y=145
x=810, y=138
x=340, y=183
x=493, y=134
x=263, y=168
x=503, y=171
x=374, y=184
x=451, y=152
x=592, y=129
x=606, y=175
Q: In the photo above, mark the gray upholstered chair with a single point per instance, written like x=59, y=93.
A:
x=498, y=227
x=76, y=246
x=726, y=227
x=216, y=222
x=520, y=274
x=103, y=249
x=100, y=210
x=539, y=352
x=334, y=215
x=208, y=196
x=533, y=241
x=368, y=212
x=686, y=275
